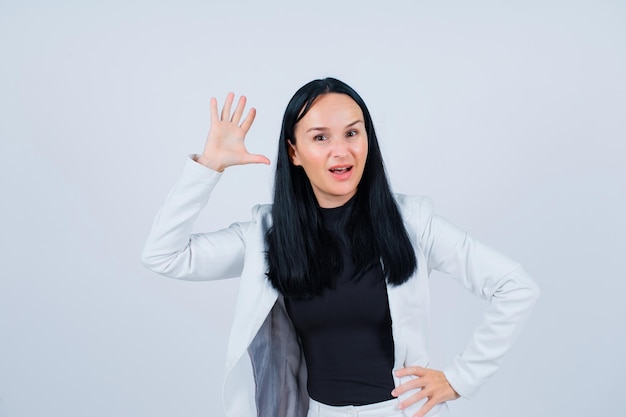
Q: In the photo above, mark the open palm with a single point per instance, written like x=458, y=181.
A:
x=225, y=142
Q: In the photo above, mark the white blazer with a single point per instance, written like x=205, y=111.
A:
x=265, y=369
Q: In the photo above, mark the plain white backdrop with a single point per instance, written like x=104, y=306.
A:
x=510, y=115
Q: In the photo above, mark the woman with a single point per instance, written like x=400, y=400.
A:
x=333, y=302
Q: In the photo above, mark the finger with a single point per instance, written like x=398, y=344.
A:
x=415, y=398
x=412, y=370
x=241, y=104
x=428, y=405
x=409, y=385
x=214, y=116
x=227, y=104
x=247, y=122
x=256, y=159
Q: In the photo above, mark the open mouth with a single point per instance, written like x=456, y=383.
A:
x=340, y=170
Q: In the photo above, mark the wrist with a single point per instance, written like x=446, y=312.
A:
x=207, y=162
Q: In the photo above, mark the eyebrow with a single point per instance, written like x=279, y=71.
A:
x=325, y=128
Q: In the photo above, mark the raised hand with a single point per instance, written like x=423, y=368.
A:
x=225, y=143
x=432, y=384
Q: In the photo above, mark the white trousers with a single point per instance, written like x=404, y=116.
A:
x=383, y=409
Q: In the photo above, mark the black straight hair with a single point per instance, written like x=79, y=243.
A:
x=303, y=258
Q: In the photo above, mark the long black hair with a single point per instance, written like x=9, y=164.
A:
x=302, y=256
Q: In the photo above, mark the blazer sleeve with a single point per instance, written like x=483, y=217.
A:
x=510, y=291
x=172, y=250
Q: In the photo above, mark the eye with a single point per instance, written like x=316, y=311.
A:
x=320, y=138
x=351, y=133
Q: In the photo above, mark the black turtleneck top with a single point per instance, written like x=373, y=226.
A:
x=345, y=332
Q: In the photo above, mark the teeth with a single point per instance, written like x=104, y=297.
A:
x=339, y=169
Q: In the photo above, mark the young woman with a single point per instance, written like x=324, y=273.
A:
x=333, y=305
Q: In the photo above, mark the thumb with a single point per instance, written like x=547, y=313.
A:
x=256, y=159
x=411, y=370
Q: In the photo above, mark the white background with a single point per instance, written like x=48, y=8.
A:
x=509, y=114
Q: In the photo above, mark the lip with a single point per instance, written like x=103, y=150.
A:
x=341, y=172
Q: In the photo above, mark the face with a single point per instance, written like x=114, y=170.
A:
x=331, y=147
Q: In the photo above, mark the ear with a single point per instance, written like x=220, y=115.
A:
x=293, y=154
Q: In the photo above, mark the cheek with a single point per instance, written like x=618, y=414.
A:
x=312, y=159
x=363, y=151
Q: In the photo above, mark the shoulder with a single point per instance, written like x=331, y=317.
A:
x=414, y=208
x=416, y=212
x=261, y=210
x=262, y=215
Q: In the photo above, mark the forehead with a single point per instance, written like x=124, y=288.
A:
x=332, y=110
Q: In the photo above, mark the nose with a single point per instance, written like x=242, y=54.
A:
x=339, y=148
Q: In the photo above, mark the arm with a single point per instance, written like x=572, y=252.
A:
x=488, y=274
x=511, y=294
x=171, y=249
